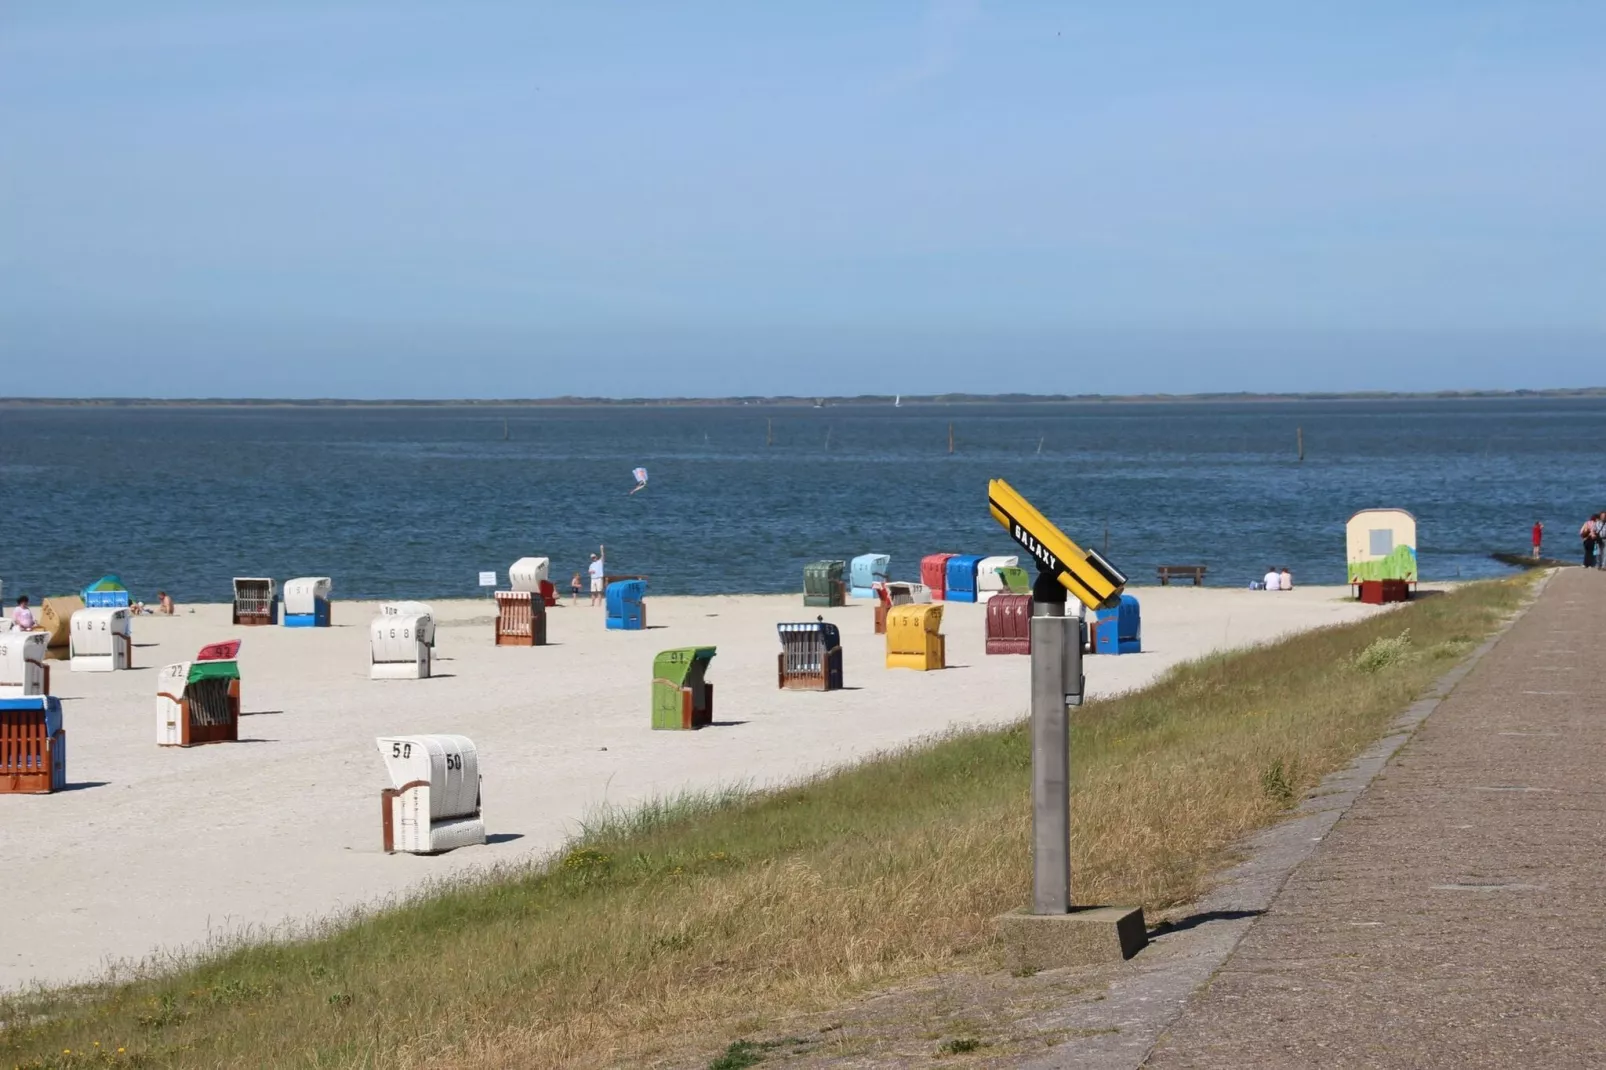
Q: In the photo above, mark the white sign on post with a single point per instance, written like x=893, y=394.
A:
x=487, y=579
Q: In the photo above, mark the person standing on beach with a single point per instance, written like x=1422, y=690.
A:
x=598, y=562
x=1539, y=536
x=1587, y=534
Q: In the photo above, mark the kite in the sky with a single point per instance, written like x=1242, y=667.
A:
x=641, y=480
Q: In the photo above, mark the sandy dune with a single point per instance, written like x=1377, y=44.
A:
x=158, y=848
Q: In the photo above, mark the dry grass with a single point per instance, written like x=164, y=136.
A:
x=707, y=917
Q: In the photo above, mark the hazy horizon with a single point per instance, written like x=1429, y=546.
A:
x=366, y=200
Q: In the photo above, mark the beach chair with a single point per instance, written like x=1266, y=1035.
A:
x=412, y=609
x=33, y=746
x=24, y=672
x=992, y=576
x=306, y=602
x=1009, y=624
x=198, y=702
x=810, y=657
x=934, y=574
x=255, y=602
x=960, y=577
x=520, y=619
x=682, y=697
x=822, y=583
x=101, y=640
x=55, y=617
x=397, y=649
x=903, y=593
x=1118, y=629
x=433, y=802
x=915, y=639
x=625, y=602
x=864, y=572
x=528, y=574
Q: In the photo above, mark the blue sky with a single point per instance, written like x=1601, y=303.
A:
x=521, y=199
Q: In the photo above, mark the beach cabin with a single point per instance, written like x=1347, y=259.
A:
x=994, y=576
x=1381, y=548
x=397, y=649
x=101, y=641
x=682, y=697
x=520, y=619
x=626, y=604
x=412, y=609
x=1118, y=629
x=532, y=574
x=934, y=574
x=55, y=617
x=822, y=583
x=255, y=601
x=960, y=577
x=865, y=571
x=33, y=746
x=24, y=672
x=107, y=592
x=433, y=802
x=1009, y=624
x=198, y=702
x=306, y=602
x=810, y=657
x=915, y=639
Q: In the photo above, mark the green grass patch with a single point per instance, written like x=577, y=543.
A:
x=703, y=918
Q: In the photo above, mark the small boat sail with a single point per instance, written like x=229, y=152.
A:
x=641, y=479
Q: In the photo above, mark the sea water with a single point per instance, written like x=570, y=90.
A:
x=417, y=501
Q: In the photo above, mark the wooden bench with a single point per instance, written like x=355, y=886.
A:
x=1169, y=572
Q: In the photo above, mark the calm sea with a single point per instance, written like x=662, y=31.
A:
x=417, y=501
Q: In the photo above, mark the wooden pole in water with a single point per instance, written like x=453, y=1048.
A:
x=1040, y=444
x=1299, y=435
x=769, y=432
x=950, y=437
x=827, y=438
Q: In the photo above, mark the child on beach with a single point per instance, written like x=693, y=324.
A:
x=574, y=590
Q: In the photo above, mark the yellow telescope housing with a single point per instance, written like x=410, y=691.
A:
x=1095, y=582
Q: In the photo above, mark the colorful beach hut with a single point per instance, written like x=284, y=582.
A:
x=1381, y=548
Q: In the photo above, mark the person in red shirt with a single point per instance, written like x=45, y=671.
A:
x=1539, y=536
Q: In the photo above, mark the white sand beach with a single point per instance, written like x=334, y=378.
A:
x=161, y=848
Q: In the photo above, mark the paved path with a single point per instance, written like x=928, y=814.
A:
x=1456, y=917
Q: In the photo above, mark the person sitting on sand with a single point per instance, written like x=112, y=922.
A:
x=1287, y=579
x=164, y=603
x=1273, y=580
x=22, y=616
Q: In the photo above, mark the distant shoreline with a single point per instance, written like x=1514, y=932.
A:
x=784, y=401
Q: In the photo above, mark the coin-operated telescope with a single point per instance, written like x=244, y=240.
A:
x=1063, y=568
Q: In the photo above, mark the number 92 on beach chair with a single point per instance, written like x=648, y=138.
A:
x=33, y=746
x=433, y=803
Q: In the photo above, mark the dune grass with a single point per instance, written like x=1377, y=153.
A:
x=703, y=918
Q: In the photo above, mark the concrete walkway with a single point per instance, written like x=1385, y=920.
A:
x=1456, y=917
